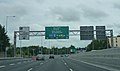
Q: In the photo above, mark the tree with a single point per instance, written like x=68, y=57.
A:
x=72, y=49
x=10, y=51
x=98, y=45
x=4, y=39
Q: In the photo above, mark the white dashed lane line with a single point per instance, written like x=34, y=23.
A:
x=65, y=63
x=12, y=64
x=30, y=69
x=2, y=66
x=71, y=69
x=25, y=62
x=19, y=63
x=41, y=63
x=67, y=66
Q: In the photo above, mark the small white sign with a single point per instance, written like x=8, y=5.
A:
x=24, y=33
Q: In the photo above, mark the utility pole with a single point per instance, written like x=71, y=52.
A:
x=41, y=46
x=33, y=51
x=20, y=49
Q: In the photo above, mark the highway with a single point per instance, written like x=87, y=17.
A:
x=57, y=64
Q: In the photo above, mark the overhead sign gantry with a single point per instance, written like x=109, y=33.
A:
x=63, y=32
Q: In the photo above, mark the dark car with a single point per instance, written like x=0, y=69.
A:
x=61, y=55
x=51, y=57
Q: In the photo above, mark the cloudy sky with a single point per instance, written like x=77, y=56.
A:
x=73, y=13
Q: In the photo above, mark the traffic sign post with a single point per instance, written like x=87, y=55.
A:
x=57, y=32
x=86, y=32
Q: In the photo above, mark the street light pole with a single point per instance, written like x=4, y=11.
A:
x=7, y=17
x=20, y=49
x=33, y=51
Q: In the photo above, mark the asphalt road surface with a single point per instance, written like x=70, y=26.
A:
x=57, y=64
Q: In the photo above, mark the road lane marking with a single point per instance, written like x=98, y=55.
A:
x=19, y=63
x=24, y=61
x=2, y=66
x=41, y=63
x=71, y=69
x=65, y=63
x=30, y=69
x=29, y=61
x=12, y=64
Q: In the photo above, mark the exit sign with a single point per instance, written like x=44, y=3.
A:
x=57, y=32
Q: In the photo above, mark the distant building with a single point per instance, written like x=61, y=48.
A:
x=116, y=41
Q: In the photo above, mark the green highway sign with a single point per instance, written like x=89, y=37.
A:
x=57, y=32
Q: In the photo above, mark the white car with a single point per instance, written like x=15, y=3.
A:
x=40, y=57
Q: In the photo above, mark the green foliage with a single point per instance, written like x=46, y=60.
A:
x=10, y=52
x=98, y=45
x=4, y=39
x=34, y=50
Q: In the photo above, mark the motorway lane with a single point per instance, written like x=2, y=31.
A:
x=79, y=66
x=56, y=64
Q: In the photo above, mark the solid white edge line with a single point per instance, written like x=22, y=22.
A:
x=30, y=69
x=97, y=65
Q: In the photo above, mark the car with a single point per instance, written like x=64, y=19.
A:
x=61, y=55
x=66, y=55
x=51, y=57
x=40, y=57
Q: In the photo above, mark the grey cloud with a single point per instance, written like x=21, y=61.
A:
x=117, y=6
x=67, y=14
x=94, y=15
x=9, y=9
x=116, y=25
